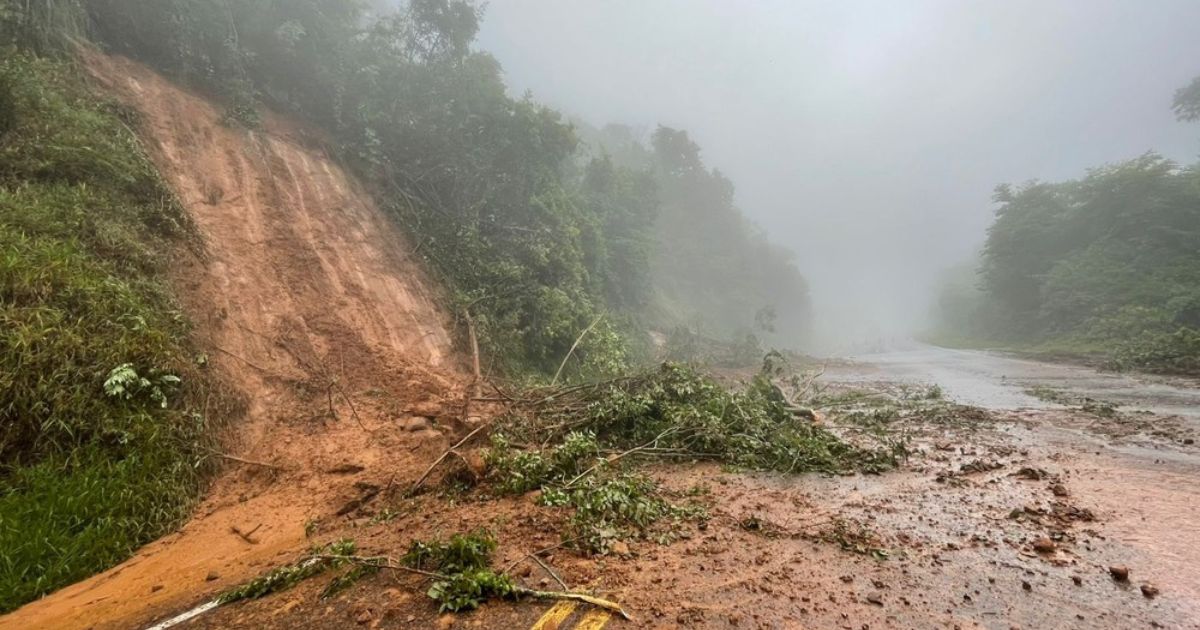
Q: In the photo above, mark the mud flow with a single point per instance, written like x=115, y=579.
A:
x=1025, y=517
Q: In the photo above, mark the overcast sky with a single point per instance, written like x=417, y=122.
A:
x=868, y=136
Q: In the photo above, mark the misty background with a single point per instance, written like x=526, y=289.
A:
x=868, y=136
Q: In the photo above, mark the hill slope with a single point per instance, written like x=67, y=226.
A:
x=306, y=300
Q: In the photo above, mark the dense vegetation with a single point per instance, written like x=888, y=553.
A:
x=101, y=449
x=536, y=237
x=1108, y=264
x=711, y=268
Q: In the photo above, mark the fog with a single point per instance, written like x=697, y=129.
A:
x=868, y=136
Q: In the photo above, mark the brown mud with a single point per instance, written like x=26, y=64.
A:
x=1005, y=519
x=305, y=299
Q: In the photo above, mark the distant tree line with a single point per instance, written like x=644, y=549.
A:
x=1108, y=264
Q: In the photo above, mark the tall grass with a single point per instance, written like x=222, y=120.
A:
x=86, y=228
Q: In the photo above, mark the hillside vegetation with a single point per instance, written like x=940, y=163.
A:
x=108, y=410
x=1107, y=265
x=537, y=237
x=102, y=435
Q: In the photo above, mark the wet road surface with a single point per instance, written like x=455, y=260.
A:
x=999, y=382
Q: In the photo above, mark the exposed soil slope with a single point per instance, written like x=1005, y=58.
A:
x=306, y=300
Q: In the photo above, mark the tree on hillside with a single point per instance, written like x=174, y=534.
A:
x=1187, y=101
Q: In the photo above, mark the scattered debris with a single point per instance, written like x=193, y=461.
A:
x=1044, y=546
x=346, y=469
x=979, y=466
x=246, y=536
x=1032, y=474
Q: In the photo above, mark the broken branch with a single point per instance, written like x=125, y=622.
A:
x=552, y=573
x=444, y=455
x=246, y=461
x=572, y=350
x=579, y=597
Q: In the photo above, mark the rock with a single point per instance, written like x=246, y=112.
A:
x=1077, y=580
x=363, y=617
x=1026, y=585
x=1059, y=490
x=1044, y=545
x=875, y=597
x=1150, y=591
x=212, y=575
x=156, y=588
x=1119, y=573
x=1033, y=474
x=620, y=548
x=412, y=424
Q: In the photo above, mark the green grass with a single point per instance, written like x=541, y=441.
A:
x=86, y=228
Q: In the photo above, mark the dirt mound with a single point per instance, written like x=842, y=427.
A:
x=306, y=299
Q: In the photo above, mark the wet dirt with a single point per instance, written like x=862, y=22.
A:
x=1000, y=520
x=303, y=297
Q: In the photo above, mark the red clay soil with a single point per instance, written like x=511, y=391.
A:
x=1005, y=523
x=305, y=299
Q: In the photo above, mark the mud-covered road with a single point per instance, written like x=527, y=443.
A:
x=999, y=381
x=1006, y=514
x=1136, y=469
x=1010, y=511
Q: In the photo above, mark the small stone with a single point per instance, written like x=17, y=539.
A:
x=1044, y=545
x=875, y=597
x=620, y=548
x=413, y=424
x=1026, y=585
x=1077, y=580
x=1150, y=591
x=1059, y=490
x=156, y=588
x=1119, y=573
x=212, y=575
x=363, y=617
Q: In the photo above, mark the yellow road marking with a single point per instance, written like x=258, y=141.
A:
x=555, y=616
x=594, y=620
